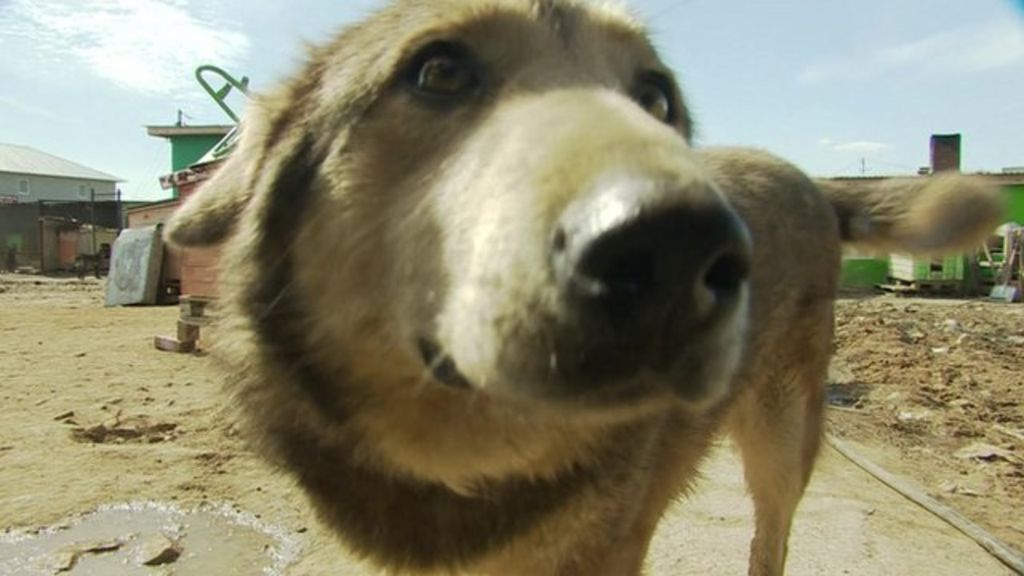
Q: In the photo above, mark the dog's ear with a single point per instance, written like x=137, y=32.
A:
x=276, y=148
x=267, y=135
x=209, y=215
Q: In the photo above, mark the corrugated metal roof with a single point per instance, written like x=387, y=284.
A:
x=24, y=160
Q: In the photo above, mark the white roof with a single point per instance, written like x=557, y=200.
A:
x=24, y=160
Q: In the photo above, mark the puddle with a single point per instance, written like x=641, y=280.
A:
x=151, y=539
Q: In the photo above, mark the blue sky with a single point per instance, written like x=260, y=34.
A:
x=824, y=83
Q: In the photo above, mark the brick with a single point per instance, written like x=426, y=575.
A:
x=187, y=331
x=169, y=344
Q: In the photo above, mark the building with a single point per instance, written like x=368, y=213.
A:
x=51, y=236
x=53, y=211
x=28, y=175
x=1012, y=181
x=189, y=144
x=954, y=271
x=196, y=152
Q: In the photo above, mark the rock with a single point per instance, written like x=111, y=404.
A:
x=950, y=487
x=984, y=452
x=913, y=416
x=65, y=560
x=59, y=562
x=159, y=550
x=101, y=547
x=912, y=336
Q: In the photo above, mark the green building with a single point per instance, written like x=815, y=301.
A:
x=189, y=143
x=861, y=272
x=1015, y=198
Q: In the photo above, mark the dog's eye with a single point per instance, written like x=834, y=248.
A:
x=445, y=70
x=654, y=95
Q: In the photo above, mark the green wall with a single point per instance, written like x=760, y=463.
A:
x=1016, y=203
x=859, y=273
x=863, y=273
x=187, y=150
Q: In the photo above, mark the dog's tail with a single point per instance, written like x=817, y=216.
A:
x=935, y=215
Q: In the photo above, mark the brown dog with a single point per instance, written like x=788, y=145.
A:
x=490, y=308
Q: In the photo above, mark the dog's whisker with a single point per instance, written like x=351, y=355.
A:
x=275, y=302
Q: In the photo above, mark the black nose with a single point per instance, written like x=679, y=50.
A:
x=643, y=266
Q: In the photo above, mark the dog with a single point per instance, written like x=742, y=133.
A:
x=490, y=307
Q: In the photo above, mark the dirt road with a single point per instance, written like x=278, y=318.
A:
x=91, y=416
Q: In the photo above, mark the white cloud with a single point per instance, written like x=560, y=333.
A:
x=862, y=147
x=989, y=47
x=147, y=46
x=980, y=48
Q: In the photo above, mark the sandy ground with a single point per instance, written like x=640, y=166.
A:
x=935, y=389
x=91, y=416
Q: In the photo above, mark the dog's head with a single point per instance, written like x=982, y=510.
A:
x=492, y=200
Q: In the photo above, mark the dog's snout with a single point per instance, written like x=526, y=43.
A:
x=654, y=260
x=645, y=265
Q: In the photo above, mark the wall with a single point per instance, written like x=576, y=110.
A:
x=50, y=188
x=1015, y=194
x=19, y=226
x=49, y=237
x=104, y=214
x=67, y=247
x=151, y=215
x=187, y=150
x=154, y=214
x=946, y=152
x=199, y=267
x=863, y=273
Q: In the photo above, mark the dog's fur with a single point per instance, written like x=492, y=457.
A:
x=360, y=215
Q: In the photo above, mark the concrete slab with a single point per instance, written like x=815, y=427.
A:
x=135, y=267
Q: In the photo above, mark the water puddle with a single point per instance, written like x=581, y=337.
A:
x=151, y=539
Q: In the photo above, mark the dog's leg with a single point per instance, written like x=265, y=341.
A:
x=777, y=426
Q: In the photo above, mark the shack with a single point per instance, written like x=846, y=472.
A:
x=196, y=153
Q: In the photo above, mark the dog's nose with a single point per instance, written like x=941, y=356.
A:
x=645, y=265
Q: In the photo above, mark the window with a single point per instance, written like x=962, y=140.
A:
x=83, y=192
x=23, y=188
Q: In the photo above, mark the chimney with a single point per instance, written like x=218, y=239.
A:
x=946, y=152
